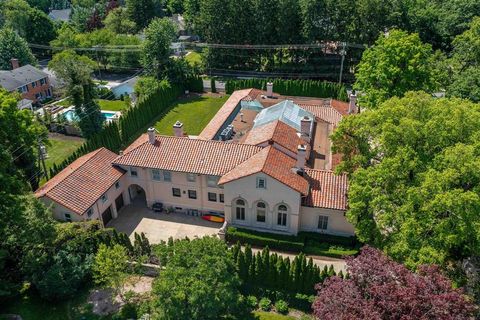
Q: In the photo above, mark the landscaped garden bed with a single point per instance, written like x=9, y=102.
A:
x=307, y=242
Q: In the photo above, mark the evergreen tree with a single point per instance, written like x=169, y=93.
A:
x=141, y=12
x=241, y=266
x=251, y=270
x=331, y=271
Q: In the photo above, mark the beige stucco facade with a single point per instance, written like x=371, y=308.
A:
x=337, y=223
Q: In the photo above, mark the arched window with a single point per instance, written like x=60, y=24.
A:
x=282, y=215
x=261, y=211
x=240, y=209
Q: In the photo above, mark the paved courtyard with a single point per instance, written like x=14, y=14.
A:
x=161, y=226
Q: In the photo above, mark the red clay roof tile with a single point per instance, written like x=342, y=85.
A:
x=327, y=190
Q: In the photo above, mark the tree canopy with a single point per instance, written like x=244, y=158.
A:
x=379, y=288
x=156, y=47
x=397, y=63
x=118, y=21
x=414, y=182
x=13, y=46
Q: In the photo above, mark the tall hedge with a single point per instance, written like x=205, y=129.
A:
x=307, y=88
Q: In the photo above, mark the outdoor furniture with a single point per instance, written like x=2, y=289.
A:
x=157, y=207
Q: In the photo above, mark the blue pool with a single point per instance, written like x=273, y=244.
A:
x=71, y=116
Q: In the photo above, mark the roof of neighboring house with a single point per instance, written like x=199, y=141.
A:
x=60, y=15
x=82, y=183
x=327, y=190
x=186, y=155
x=275, y=131
x=13, y=79
x=222, y=115
x=273, y=163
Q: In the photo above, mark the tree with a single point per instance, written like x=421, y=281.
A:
x=198, y=282
x=156, y=47
x=76, y=72
x=466, y=85
x=13, y=46
x=141, y=12
x=117, y=21
x=412, y=173
x=397, y=63
x=110, y=267
x=379, y=288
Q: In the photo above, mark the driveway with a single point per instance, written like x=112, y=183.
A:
x=160, y=226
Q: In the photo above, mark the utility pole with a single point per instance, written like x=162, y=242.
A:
x=343, y=52
x=42, y=154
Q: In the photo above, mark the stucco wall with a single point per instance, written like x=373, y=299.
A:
x=337, y=223
x=161, y=191
x=275, y=194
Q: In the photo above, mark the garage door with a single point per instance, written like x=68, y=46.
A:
x=119, y=202
x=107, y=216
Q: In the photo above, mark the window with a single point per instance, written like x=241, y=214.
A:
x=323, y=222
x=212, y=181
x=117, y=185
x=282, y=215
x=240, y=209
x=167, y=176
x=104, y=198
x=89, y=212
x=176, y=192
x=261, y=183
x=156, y=175
x=42, y=81
x=133, y=172
x=221, y=197
x=212, y=196
x=191, y=177
x=68, y=217
x=261, y=212
x=192, y=194
x=34, y=84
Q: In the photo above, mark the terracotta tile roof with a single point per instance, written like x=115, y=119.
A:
x=273, y=163
x=186, y=155
x=340, y=106
x=327, y=190
x=275, y=131
x=222, y=115
x=82, y=183
x=325, y=113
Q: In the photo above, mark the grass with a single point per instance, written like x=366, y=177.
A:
x=112, y=105
x=193, y=112
x=262, y=315
x=64, y=103
x=194, y=58
x=31, y=307
x=60, y=149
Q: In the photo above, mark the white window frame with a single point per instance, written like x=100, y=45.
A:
x=261, y=183
x=322, y=223
x=167, y=176
x=282, y=216
x=240, y=210
x=156, y=175
x=191, y=177
x=260, y=209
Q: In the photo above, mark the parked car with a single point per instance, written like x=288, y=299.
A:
x=157, y=207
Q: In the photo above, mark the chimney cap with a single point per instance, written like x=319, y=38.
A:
x=151, y=129
x=306, y=118
x=178, y=124
x=302, y=147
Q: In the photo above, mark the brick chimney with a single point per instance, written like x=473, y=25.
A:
x=151, y=135
x=15, y=63
x=301, y=154
x=178, y=129
x=352, y=105
x=269, y=89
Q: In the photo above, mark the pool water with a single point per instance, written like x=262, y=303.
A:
x=71, y=116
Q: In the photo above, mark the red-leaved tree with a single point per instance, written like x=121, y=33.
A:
x=380, y=288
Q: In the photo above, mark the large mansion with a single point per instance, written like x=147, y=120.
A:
x=264, y=161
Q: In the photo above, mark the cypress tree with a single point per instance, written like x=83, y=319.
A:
x=252, y=270
x=241, y=266
x=331, y=271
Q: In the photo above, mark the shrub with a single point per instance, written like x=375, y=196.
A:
x=265, y=304
x=281, y=307
x=273, y=241
x=328, y=238
x=252, y=302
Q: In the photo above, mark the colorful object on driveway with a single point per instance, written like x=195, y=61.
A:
x=212, y=218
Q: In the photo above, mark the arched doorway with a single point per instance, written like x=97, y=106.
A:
x=137, y=195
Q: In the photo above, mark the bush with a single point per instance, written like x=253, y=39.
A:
x=273, y=241
x=265, y=304
x=252, y=302
x=281, y=307
x=328, y=238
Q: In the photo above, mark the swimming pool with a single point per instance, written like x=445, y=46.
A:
x=71, y=116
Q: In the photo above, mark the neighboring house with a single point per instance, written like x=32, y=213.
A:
x=125, y=88
x=264, y=161
x=25, y=104
x=62, y=15
x=32, y=83
x=177, y=48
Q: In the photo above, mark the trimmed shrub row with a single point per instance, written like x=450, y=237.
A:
x=308, y=88
x=261, y=239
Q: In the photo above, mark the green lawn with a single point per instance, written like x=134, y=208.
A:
x=112, y=105
x=262, y=315
x=194, y=113
x=194, y=58
x=61, y=149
